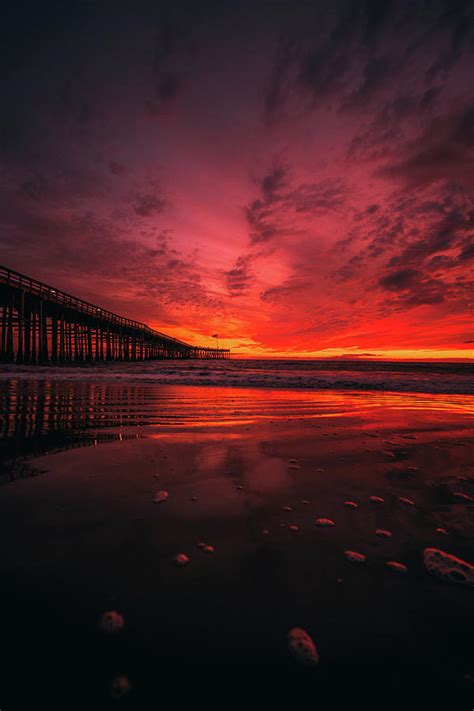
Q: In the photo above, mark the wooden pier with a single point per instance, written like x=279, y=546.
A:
x=40, y=325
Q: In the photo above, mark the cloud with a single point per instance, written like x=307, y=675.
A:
x=240, y=277
x=148, y=205
x=443, y=151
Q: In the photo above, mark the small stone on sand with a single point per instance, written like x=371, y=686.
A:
x=397, y=567
x=355, y=557
x=181, y=559
x=160, y=497
x=324, y=522
x=111, y=622
x=302, y=647
x=459, y=496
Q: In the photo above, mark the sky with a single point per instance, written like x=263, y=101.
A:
x=297, y=177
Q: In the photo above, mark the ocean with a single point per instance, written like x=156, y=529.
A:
x=358, y=375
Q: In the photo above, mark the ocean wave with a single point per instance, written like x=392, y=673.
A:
x=448, y=378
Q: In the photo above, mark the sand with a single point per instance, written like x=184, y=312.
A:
x=248, y=475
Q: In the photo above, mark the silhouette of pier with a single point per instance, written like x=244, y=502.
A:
x=40, y=324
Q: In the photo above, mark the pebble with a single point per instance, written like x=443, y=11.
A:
x=397, y=567
x=293, y=528
x=181, y=559
x=383, y=533
x=111, y=622
x=459, y=496
x=404, y=500
x=355, y=557
x=376, y=499
x=448, y=567
x=351, y=504
x=120, y=687
x=302, y=647
x=324, y=522
x=160, y=496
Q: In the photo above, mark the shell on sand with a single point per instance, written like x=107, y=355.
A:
x=302, y=647
x=396, y=566
x=111, y=622
x=355, y=557
x=324, y=522
x=383, y=533
x=160, y=497
x=448, y=567
x=181, y=559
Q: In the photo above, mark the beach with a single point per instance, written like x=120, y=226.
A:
x=249, y=473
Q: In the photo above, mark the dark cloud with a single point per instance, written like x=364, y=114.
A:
x=443, y=151
x=272, y=214
x=283, y=291
x=148, y=205
x=240, y=277
x=400, y=279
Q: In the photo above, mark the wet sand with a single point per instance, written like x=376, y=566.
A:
x=84, y=536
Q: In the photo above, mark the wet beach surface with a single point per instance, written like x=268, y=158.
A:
x=247, y=472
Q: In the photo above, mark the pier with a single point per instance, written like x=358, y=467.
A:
x=40, y=324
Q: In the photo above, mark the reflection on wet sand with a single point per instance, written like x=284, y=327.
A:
x=40, y=416
x=255, y=475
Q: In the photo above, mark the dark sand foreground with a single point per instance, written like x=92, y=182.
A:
x=84, y=536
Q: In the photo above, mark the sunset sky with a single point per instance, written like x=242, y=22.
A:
x=295, y=176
